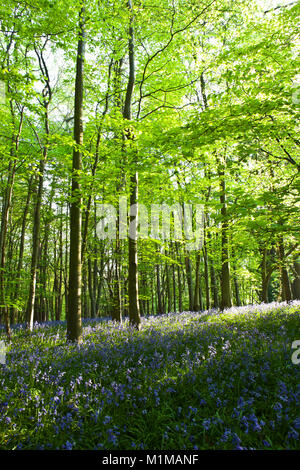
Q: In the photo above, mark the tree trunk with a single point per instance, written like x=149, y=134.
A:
x=117, y=307
x=213, y=279
x=174, y=287
x=5, y=217
x=196, y=307
x=235, y=281
x=91, y=289
x=3, y=234
x=179, y=279
x=134, y=309
x=188, y=269
x=47, y=94
x=21, y=248
x=169, y=309
x=133, y=282
x=286, y=293
x=158, y=291
x=226, y=301
x=74, y=328
x=296, y=281
x=206, y=275
x=35, y=242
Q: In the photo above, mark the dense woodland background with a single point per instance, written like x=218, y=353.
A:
x=165, y=101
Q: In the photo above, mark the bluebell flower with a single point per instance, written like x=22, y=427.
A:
x=206, y=424
x=293, y=434
x=241, y=402
x=226, y=435
x=297, y=423
x=106, y=420
x=68, y=446
x=235, y=439
x=266, y=443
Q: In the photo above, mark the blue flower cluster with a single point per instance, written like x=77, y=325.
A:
x=185, y=381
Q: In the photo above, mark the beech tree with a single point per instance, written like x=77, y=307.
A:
x=180, y=103
x=75, y=278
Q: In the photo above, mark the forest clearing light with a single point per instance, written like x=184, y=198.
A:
x=184, y=222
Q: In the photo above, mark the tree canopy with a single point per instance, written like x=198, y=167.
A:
x=166, y=103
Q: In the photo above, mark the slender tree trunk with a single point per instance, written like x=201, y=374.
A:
x=134, y=309
x=158, y=290
x=44, y=259
x=206, y=274
x=96, y=283
x=296, y=282
x=213, y=279
x=91, y=289
x=3, y=234
x=208, y=266
x=21, y=248
x=188, y=269
x=200, y=297
x=47, y=94
x=214, y=285
x=174, y=287
x=6, y=205
x=58, y=274
x=133, y=282
x=179, y=281
x=58, y=310
x=74, y=328
x=35, y=242
x=66, y=264
x=168, y=285
x=117, y=307
x=5, y=218
x=286, y=292
x=55, y=281
x=196, y=307
x=92, y=280
x=226, y=301
x=264, y=284
x=164, y=297
x=265, y=275
x=237, y=291
x=235, y=281
x=37, y=302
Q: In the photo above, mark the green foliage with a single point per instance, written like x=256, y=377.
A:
x=213, y=79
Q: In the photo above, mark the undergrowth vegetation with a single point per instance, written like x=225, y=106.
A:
x=185, y=381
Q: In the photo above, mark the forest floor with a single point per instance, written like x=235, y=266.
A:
x=185, y=381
